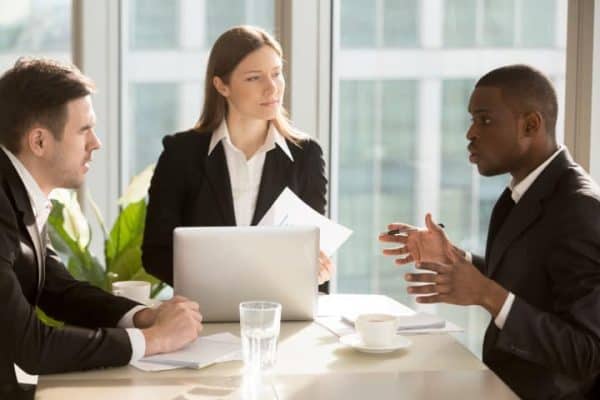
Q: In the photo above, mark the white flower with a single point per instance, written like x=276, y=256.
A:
x=75, y=223
x=138, y=187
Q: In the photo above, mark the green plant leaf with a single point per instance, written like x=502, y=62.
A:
x=127, y=231
x=47, y=320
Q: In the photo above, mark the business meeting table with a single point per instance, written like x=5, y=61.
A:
x=312, y=364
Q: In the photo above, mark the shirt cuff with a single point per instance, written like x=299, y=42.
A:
x=126, y=320
x=138, y=344
x=469, y=257
x=500, y=319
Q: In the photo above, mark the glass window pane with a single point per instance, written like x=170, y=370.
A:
x=498, y=22
x=460, y=23
x=357, y=23
x=35, y=27
x=154, y=107
x=400, y=28
x=153, y=24
x=537, y=23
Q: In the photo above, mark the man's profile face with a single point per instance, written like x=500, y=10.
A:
x=69, y=158
x=494, y=132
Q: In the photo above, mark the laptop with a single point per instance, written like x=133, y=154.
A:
x=220, y=267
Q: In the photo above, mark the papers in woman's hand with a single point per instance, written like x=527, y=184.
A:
x=289, y=209
x=202, y=352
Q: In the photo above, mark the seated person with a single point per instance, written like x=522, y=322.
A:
x=540, y=277
x=230, y=168
x=47, y=138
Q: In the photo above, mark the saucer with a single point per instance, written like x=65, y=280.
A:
x=354, y=341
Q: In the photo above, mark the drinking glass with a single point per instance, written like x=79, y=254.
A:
x=259, y=324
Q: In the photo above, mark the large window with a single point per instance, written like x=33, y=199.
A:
x=165, y=50
x=401, y=102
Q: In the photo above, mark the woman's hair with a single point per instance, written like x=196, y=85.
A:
x=227, y=52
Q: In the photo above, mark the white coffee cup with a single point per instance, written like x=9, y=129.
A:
x=377, y=330
x=134, y=290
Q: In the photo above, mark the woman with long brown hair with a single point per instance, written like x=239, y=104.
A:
x=230, y=168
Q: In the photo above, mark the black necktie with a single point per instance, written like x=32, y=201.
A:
x=501, y=211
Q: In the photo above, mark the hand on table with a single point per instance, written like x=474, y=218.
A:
x=326, y=268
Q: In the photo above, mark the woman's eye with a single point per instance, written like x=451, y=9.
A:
x=252, y=78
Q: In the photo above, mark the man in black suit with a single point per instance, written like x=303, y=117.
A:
x=47, y=139
x=540, y=278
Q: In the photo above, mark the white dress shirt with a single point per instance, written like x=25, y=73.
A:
x=42, y=206
x=517, y=192
x=245, y=174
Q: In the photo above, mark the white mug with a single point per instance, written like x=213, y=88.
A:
x=134, y=290
x=377, y=330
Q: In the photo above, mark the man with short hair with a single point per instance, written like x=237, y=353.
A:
x=540, y=277
x=47, y=139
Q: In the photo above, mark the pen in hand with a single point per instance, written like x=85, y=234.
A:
x=404, y=230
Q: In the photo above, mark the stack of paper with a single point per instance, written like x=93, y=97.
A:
x=202, y=352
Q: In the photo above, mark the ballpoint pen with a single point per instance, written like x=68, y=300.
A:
x=404, y=230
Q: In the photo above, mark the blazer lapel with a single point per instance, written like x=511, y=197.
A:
x=24, y=208
x=218, y=177
x=275, y=177
x=527, y=210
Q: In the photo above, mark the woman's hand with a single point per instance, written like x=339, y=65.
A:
x=326, y=268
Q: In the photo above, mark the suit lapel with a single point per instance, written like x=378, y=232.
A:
x=25, y=211
x=274, y=179
x=218, y=177
x=527, y=210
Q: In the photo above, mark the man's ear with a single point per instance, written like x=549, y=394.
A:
x=221, y=86
x=36, y=140
x=532, y=123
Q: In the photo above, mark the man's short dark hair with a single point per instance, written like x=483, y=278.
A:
x=36, y=91
x=527, y=88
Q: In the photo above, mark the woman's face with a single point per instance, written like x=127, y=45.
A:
x=256, y=86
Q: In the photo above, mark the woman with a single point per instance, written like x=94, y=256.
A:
x=230, y=168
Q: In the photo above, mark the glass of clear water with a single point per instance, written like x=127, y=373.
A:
x=259, y=324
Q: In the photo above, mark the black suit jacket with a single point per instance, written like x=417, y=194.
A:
x=31, y=274
x=547, y=252
x=192, y=188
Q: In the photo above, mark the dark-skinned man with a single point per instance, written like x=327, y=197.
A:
x=540, y=277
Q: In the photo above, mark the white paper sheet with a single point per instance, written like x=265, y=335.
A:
x=204, y=351
x=289, y=209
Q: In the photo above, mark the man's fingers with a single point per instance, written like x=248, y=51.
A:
x=439, y=268
x=426, y=277
x=436, y=298
x=424, y=289
x=404, y=260
x=395, y=251
x=400, y=225
x=384, y=237
x=431, y=224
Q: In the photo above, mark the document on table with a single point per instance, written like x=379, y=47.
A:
x=338, y=313
x=202, y=352
x=289, y=209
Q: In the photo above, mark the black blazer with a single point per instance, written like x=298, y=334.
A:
x=31, y=274
x=192, y=188
x=547, y=252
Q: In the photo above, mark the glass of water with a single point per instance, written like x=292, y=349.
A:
x=259, y=323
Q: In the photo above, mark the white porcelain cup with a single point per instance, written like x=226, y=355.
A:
x=135, y=290
x=377, y=330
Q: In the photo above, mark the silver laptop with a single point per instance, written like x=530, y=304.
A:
x=219, y=267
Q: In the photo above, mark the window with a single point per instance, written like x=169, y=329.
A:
x=402, y=120
x=164, y=58
x=34, y=28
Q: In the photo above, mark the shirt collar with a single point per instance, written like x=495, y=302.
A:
x=39, y=201
x=273, y=138
x=519, y=189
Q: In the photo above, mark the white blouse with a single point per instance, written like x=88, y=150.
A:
x=245, y=175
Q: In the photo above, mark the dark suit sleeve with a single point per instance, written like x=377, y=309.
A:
x=314, y=190
x=566, y=340
x=35, y=347
x=165, y=205
x=94, y=307
x=479, y=262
